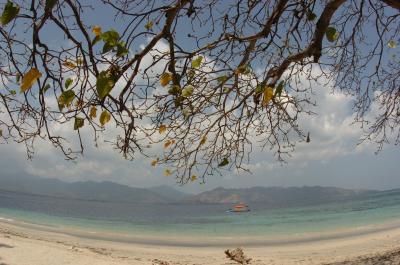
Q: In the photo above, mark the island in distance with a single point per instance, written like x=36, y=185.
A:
x=112, y=192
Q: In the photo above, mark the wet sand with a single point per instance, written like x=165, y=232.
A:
x=30, y=244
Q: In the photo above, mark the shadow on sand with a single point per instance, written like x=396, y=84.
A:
x=5, y=246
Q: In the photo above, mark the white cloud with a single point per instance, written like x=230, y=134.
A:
x=332, y=135
x=332, y=131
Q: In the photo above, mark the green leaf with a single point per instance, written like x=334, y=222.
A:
x=224, y=162
x=191, y=74
x=222, y=79
x=111, y=37
x=9, y=13
x=179, y=101
x=197, y=62
x=96, y=40
x=259, y=89
x=121, y=49
x=1, y=132
x=104, y=117
x=186, y=112
x=18, y=78
x=68, y=83
x=50, y=4
x=247, y=70
x=46, y=87
x=107, y=47
x=79, y=122
x=311, y=16
x=104, y=84
x=331, y=34
x=13, y=92
x=279, y=88
x=174, y=90
x=66, y=98
x=187, y=91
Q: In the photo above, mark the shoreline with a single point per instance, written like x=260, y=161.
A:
x=69, y=248
x=266, y=240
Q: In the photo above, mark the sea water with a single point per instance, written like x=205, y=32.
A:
x=194, y=219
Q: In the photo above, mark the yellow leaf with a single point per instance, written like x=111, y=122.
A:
x=79, y=61
x=154, y=163
x=104, y=117
x=243, y=69
x=165, y=79
x=392, y=44
x=69, y=64
x=197, y=62
x=29, y=79
x=149, y=25
x=79, y=104
x=162, y=128
x=93, y=112
x=96, y=30
x=193, y=178
x=79, y=122
x=167, y=172
x=167, y=143
x=203, y=140
x=268, y=94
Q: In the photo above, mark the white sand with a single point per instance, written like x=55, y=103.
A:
x=30, y=245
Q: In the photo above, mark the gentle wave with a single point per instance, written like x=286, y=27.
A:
x=7, y=219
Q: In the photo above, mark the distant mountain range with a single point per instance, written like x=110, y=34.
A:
x=279, y=196
x=113, y=192
x=169, y=193
x=89, y=190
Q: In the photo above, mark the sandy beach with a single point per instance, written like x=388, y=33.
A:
x=29, y=244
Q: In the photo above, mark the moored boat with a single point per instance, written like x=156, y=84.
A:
x=239, y=208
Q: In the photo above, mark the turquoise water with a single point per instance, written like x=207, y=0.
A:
x=204, y=220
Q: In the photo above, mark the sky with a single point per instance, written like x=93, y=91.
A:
x=332, y=158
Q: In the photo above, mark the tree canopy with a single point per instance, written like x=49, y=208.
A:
x=206, y=80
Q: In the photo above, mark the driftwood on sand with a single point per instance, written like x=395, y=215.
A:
x=160, y=262
x=237, y=255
